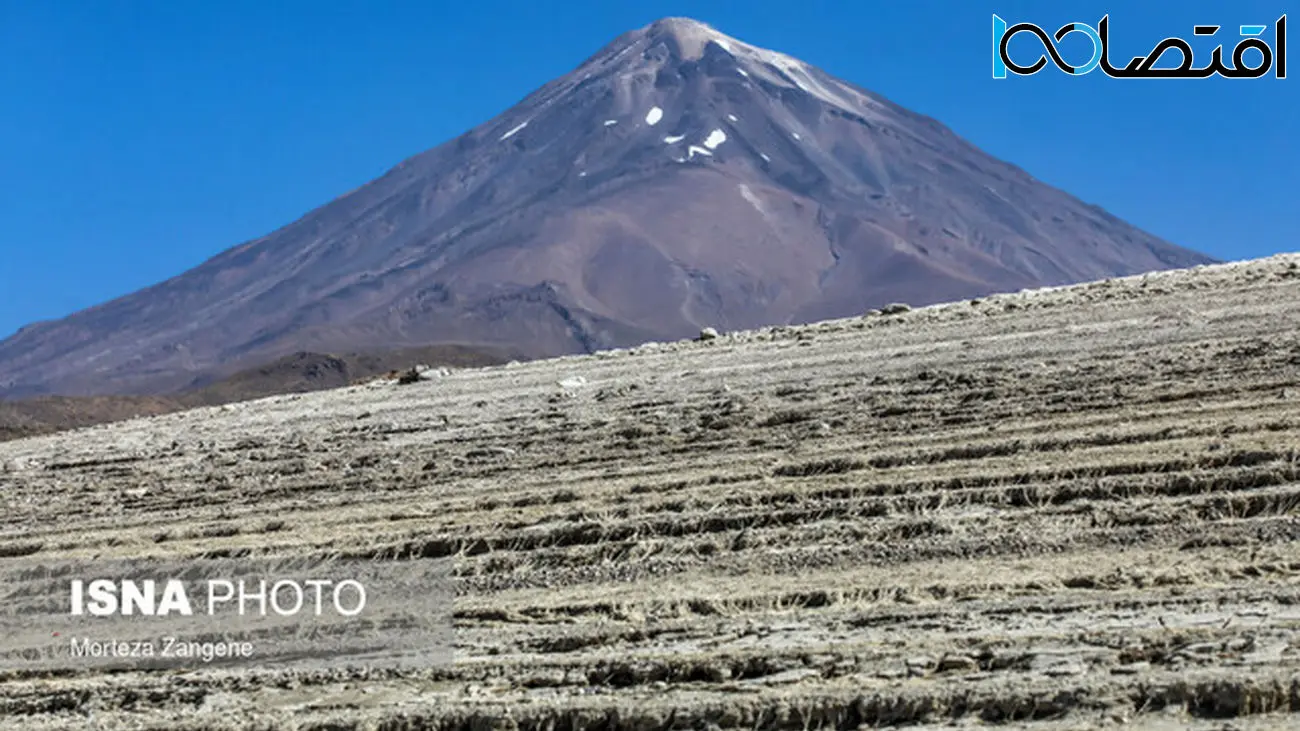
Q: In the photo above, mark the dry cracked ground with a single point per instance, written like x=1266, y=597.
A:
x=1075, y=508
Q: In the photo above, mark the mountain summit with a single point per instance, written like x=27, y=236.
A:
x=678, y=178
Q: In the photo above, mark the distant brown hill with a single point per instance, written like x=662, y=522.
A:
x=296, y=373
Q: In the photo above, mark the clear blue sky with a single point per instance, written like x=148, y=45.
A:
x=137, y=139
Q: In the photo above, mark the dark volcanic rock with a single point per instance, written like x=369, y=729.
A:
x=677, y=179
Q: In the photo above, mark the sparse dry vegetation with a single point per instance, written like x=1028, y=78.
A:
x=1070, y=509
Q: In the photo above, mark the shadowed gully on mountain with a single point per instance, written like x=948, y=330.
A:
x=677, y=179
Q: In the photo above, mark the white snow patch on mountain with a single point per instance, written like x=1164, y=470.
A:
x=771, y=66
x=611, y=122
x=692, y=151
x=732, y=118
x=674, y=139
x=619, y=55
x=754, y=200
x=778, y=68
x=715, y=138
x=795, y=135
x=512, y=132
x=765, y=157
x=653, y=116
x=805, y=81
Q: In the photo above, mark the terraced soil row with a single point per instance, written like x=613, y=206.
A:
x=1056, y=509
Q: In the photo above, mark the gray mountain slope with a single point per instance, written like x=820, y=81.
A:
x=679, y=178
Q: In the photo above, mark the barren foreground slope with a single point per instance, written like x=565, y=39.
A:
x=1060, y=509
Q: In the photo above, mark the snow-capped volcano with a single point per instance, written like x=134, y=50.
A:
x=678, y=178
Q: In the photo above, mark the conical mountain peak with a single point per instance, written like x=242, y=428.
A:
x=679, y=178
x=689, y=36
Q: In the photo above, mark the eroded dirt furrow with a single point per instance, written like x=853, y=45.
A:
x=1061, y=509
